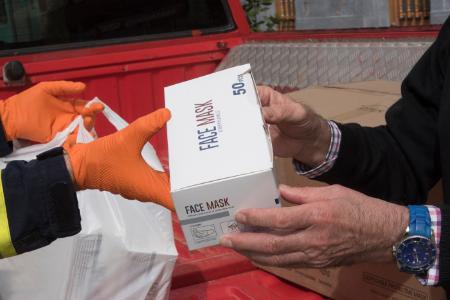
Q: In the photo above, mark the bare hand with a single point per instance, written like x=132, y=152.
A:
x=296, y=130
x=332, y=226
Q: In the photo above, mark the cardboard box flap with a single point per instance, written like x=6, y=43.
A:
x=376, y=86
x=219, y=127
x=361, y=102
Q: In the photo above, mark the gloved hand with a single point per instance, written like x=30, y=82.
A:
x=114, y=163
x=41, y=111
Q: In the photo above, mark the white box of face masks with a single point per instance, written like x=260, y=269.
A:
x=220, y=154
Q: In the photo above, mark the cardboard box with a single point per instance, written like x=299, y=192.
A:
x=219, y=151
x=364, y=103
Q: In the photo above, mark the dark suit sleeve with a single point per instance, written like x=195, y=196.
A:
x=6, y=147
x=401, y=162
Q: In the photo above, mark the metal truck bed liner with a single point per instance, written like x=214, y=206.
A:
x=294, y=65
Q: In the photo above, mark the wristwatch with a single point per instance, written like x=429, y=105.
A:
x=416, y=252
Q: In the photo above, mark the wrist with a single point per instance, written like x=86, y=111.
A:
x=315, y=151
x=394, y=230
x=69, y=169
x=387, y=226
x=416, y=251
x=77, y=160
x=401, y=228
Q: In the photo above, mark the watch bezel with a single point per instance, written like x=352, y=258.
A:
x=403, y=266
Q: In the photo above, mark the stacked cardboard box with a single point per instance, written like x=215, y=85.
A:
x=364, y=103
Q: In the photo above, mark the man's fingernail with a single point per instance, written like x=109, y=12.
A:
x=240, y=217
x=226, y=242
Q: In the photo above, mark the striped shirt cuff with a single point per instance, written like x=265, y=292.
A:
x=333, y=151
x=432, y=276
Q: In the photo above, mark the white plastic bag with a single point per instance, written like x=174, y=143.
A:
x=125, y=250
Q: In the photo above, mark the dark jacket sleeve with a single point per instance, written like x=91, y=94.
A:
x=401, y=162
x=38, y=204
x=6, y=147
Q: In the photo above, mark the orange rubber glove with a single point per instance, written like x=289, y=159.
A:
x=43, y=110
x=114, y=163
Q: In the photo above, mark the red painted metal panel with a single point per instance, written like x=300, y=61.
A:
x=132, y=82
x=239, y=17
x=216, y=273
x=85, y=68
x=254, y=284
x=131, y=77
x=107, y=50
x=63, y=60
x=134, y=94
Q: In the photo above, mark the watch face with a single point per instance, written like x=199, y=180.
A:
x=416, y=254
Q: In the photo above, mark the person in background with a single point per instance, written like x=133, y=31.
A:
x=38, y=203
x=383, y=169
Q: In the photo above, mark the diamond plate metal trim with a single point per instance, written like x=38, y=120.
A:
x=300, y=64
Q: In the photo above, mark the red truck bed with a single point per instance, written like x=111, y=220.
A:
x=130, y=78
